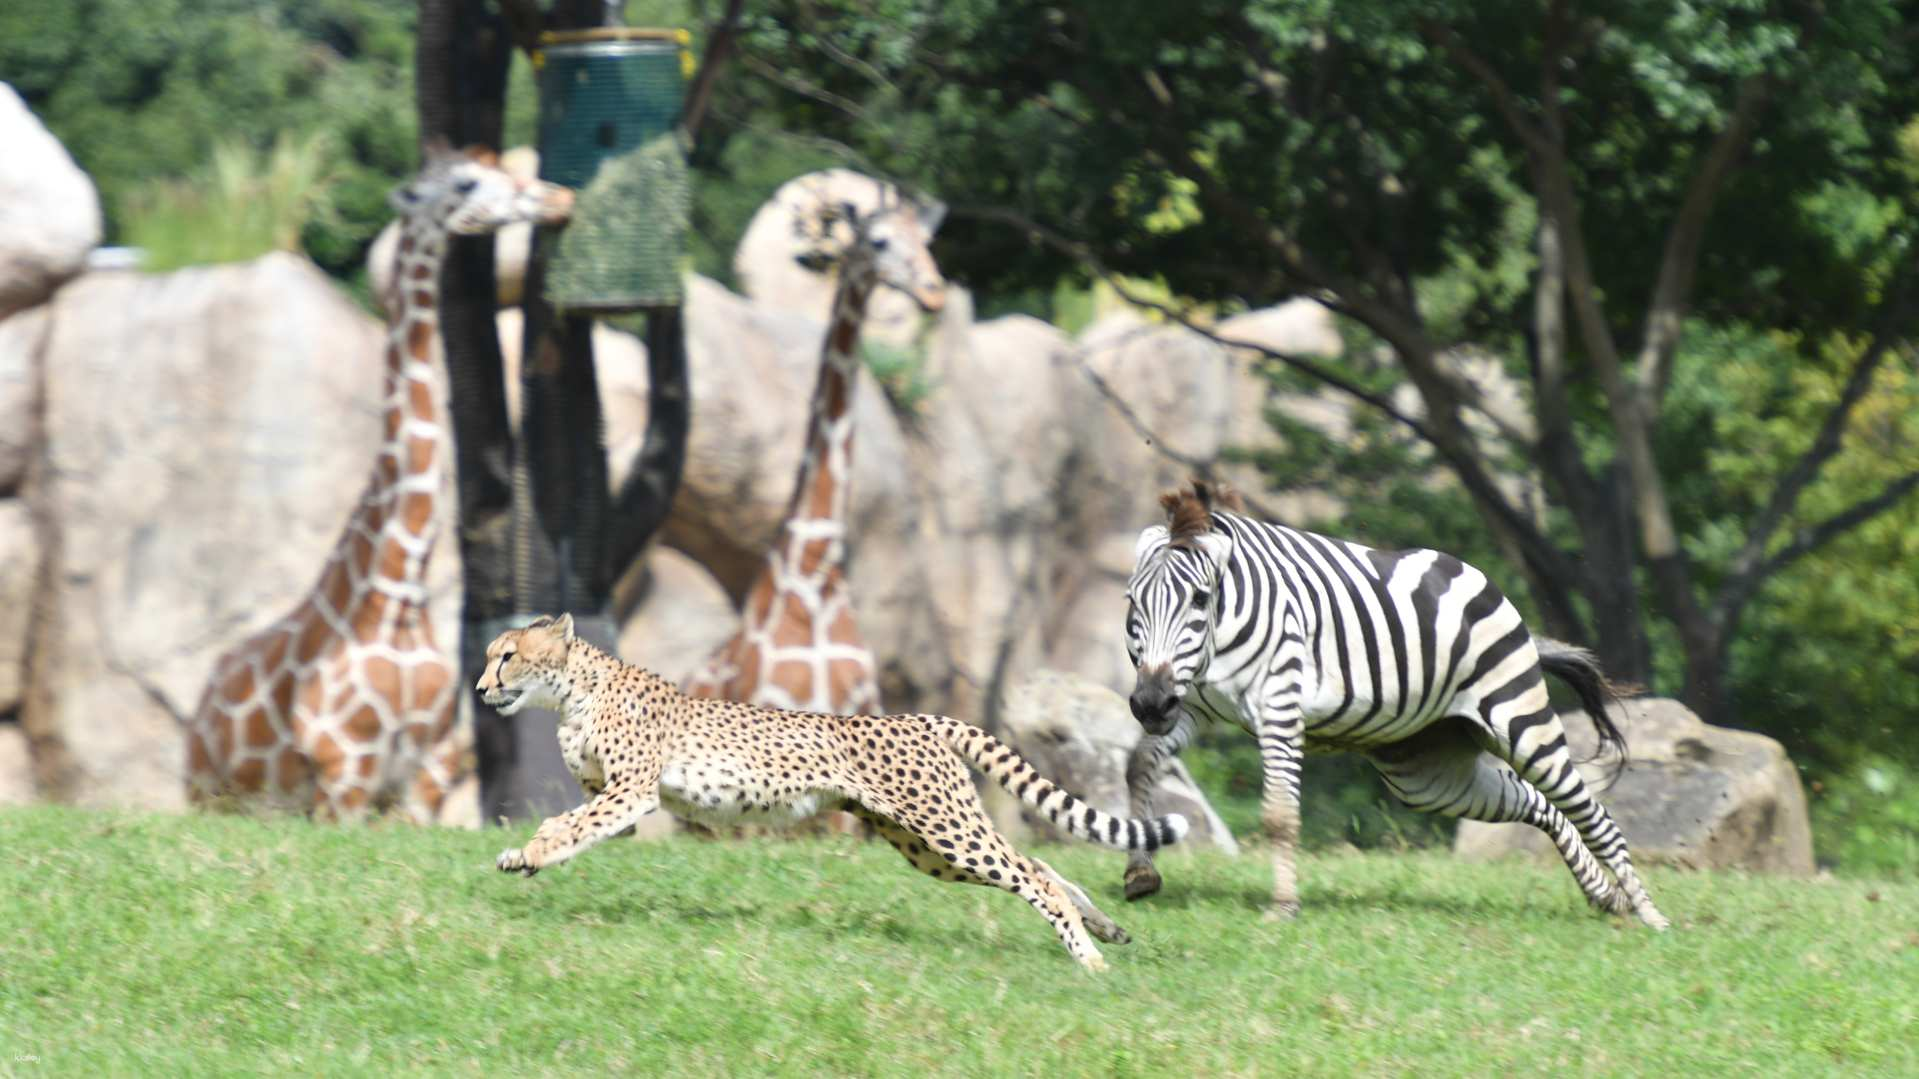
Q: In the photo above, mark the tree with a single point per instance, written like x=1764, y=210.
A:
x=1583, y=186
x=539, y=530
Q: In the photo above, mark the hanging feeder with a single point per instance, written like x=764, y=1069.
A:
x=610, y=101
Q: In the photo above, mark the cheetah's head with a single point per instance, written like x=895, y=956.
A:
x=527, y=666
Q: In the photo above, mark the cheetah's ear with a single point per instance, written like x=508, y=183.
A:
x=564, y=624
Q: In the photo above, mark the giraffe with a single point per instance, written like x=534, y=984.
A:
x=346, y=705
x=798, y=647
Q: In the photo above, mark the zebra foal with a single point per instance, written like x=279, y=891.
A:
x=1410, y=658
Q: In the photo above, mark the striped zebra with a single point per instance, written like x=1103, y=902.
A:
x=1409, y=658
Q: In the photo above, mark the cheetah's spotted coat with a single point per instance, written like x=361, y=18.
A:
x=636, y=743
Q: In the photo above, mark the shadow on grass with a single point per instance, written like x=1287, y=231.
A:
x=1200, y=893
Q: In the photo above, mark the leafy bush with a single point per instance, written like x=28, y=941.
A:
x=242, y=205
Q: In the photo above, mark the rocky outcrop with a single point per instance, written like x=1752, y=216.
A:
x=1078, y=734
x=16, y=768
x=19, y=569
x=680, y=615
x=1693, y=795
x=207, y=434
x=49, y=211
x=21, y=339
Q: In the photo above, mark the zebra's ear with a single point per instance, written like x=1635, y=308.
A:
x=1151, y=539
x=1218, y=547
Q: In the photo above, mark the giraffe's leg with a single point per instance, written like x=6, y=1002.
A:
x=1144, y=768
x=1534, y=743
x=1443, y=770
x=975, y=853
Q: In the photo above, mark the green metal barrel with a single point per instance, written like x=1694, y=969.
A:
x=609, y=101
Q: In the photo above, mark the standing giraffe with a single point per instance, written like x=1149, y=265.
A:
x=346, y=704
x=798, y=647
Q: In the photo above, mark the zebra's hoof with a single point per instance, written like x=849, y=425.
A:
x=1141, y=882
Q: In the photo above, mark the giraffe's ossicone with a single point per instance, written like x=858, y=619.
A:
x=346, y=704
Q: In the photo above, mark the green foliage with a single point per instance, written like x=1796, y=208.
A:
x=901, y=373
x=185, y=944
x=242, y=205
x=1342, y=801
x=143, y=93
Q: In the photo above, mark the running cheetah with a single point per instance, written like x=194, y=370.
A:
x=635, y=743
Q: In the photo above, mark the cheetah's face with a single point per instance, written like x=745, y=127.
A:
x=527, y=666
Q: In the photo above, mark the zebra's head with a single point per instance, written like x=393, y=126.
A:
x=1171, y=604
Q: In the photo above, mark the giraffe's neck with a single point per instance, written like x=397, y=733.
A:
x=396, y=523
x=813, y=543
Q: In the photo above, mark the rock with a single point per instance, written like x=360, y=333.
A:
x=1078, y=735
x=1693, y=795
x=1090, y=638
x=49, y=211
x=208, y=432
x=681, y=616
x=21, y=339
x=766, y=267
x=992, y=447
x=19, y=565
x=16, y=767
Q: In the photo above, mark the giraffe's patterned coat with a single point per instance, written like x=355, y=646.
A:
x=635, y=743
x=799, y=646
x=346, y=704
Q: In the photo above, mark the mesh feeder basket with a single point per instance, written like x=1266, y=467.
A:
x=610, y=101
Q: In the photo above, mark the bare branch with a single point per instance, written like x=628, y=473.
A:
x=718, y=44
x=803, y=88
x=1535, y=550
x=1680, y=261
x=1811, y=539
x=1529, y=134
x=1750, y=565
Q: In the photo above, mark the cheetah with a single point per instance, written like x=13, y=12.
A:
x=636, y=743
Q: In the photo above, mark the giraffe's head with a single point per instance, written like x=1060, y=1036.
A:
x=527, y=666
x=466, y=192
x=893, y=243
x=1170, y=610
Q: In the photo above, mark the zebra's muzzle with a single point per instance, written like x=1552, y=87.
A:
x=1154, y=702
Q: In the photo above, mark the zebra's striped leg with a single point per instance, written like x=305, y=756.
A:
x=1442, y=770
x=1536, y=748
x=1280, y=751
x=1144, y=768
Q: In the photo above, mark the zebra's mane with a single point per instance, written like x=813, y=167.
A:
x=1189, y=509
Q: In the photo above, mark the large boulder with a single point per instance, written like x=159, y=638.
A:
x=19, y=573
x=680, y=616
x=49, y=211
x=1079, y=734
x=16, y=767
x=207, y=434
x=21, y=339
x=1692, y=795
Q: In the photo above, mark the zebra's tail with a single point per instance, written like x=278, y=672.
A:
x=1580, y=669
x=1055, y=803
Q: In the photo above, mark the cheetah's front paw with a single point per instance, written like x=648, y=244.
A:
x=514, y=860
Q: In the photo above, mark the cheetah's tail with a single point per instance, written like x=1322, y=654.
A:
x=1010, y=770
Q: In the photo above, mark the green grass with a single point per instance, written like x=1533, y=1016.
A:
x=167, y=945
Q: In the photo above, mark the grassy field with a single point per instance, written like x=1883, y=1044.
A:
x=191, y=945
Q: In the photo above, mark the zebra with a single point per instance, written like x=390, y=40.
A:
x=1412, y=659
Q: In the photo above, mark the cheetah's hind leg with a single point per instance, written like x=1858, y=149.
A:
x=1097, y=923
x=997, y=865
